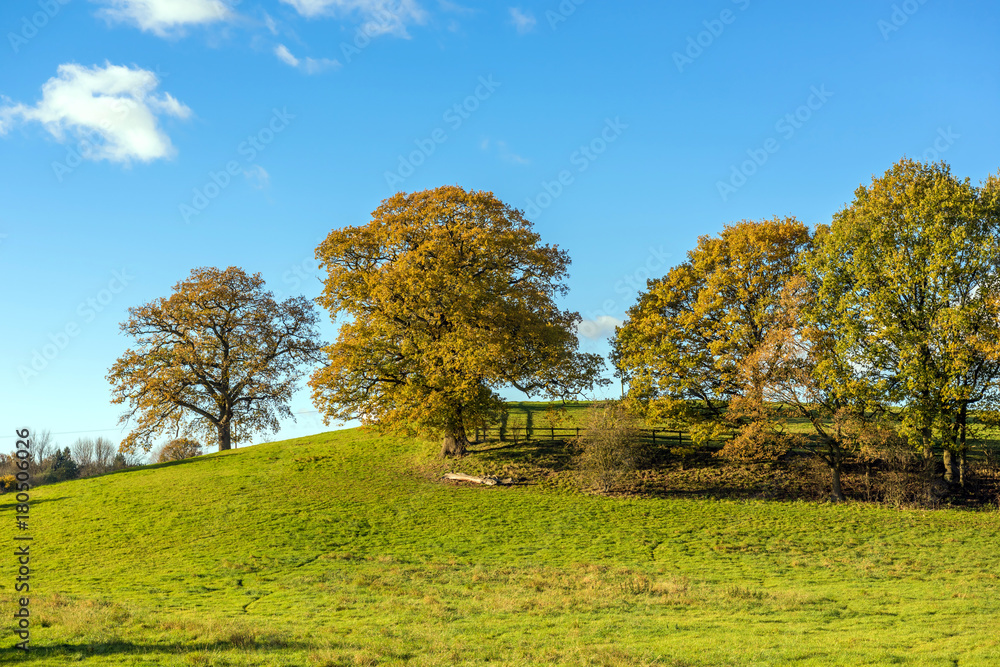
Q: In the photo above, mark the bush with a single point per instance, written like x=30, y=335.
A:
x=178, y=450
x=610, y=446
x=63, y=467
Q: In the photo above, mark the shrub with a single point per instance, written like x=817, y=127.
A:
x=63, y=467
x=610, y=446
x=119, y=462
x=178, y=450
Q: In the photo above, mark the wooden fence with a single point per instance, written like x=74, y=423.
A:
x=519, y=433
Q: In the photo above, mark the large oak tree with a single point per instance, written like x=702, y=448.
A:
x=685, y=346
x=446, y=296
x=910, y=281
x=218, y=357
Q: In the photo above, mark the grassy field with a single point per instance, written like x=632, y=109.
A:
x=345, y=549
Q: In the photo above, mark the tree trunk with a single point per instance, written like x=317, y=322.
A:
x=838, y=492
x=949, y=466
x=927, y=442
x=455, y=443
x=225, y=437
x=963, y=449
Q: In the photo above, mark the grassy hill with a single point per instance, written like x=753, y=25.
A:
x=345, y=549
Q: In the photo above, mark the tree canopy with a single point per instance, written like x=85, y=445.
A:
x=218, y=357
x=685, y=345
x=910, y=280
x=446, y=296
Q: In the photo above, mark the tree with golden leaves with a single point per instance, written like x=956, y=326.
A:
x=218, y=357
x=448, y=296
x=685, y=346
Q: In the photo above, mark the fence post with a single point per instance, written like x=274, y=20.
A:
x=679, y=438
x=552, y=433
x=654, y=436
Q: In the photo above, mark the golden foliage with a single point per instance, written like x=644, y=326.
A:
x=218, y=357
x=444, y=296
x=688, y=347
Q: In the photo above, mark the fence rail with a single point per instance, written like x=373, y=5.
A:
x=518, y=433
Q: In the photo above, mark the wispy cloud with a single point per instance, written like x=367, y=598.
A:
x=165, y=17
x=524, y=22
x=258, y=177
x=503, y=151
x=308, y=65
x=455, y=8
x=380, y=16
x=285, y=56
x=601, y=326
x=114, y=108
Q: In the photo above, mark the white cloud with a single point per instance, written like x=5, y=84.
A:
x=165, y=17
x=380, y=17
x=309, y=65
x=601, y=326
x=113, y=109
x=317, y=65
x=456, y=8
x=285, y=56
x=523, y=21
x=503, y=151
x=271, y=24
x=258, y=177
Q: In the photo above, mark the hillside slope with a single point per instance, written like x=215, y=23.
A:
x=335, y=549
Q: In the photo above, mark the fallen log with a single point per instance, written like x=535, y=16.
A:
x=487, y=481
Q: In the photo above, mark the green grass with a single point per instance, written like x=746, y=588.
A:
x=345, y=549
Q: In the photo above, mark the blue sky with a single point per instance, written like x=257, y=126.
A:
x=142, y=138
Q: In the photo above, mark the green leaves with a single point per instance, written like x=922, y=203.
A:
x=909, y=279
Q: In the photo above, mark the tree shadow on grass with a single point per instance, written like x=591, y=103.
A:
x=10, y=501
x=550, y=455
x=42, y=653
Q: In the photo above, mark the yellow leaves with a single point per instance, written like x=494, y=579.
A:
x=451, y=295
x=219, y=355
x=687, y=336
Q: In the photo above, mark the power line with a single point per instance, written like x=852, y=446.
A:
x=96, y=430
x=105, y=430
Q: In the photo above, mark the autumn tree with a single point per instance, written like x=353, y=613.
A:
x=446, y=296
x=684, y=346
x=910, y=280
x=801, y=370
x=179, y=449
x=219, y=357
